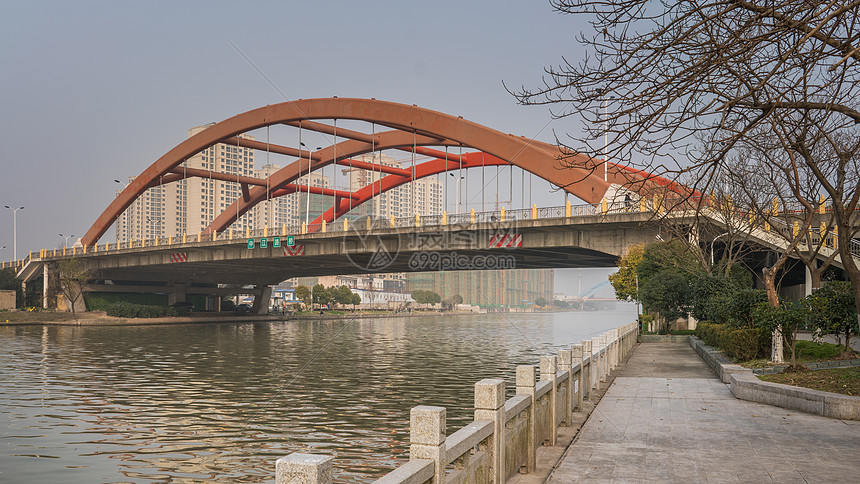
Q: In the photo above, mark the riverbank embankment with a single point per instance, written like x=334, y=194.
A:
x=99, y=318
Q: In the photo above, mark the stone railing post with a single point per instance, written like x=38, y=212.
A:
x=299, y=468
x=595, y=363
x=578, y=389
x=490, y=405
x=587, y=370
x=526, y=380
x=604, y=360
x=564, y=364
x=548, y=371
x=427, y=437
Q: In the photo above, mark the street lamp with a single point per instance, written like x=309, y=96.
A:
x=127, y=235
x=459, y=208
x=14, y=230
x=67, y=237
x=712, y=246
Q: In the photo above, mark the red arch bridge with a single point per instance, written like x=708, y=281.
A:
x=593, y=234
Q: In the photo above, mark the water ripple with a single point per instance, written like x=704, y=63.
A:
x=221, y=403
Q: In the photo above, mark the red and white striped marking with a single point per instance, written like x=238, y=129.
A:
x=506, y=240
x=179, y=257
x=295, y=250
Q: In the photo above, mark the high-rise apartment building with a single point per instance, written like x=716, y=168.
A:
x=145, y=218
x=423, y=196
x=188, y=206
x=205, y=198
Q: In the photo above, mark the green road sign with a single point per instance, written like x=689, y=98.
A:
x=264, y=243
x=276, y=242
x=250, y=243
x=291, y=240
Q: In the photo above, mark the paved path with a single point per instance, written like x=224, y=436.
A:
x=667, y=418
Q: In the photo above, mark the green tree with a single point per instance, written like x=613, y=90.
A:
x=355, y=300
x=832, y=310
x=343, y=295
x=541, y=302
x=304, y=294
x=784, y=320
x=321, y=295
x=625, y=280
x=425, y=297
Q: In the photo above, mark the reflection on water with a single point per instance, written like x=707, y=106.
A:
x=223, y=402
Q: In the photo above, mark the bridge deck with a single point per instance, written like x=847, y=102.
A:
x=667, y=418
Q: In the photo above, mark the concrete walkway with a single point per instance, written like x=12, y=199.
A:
x=667, y=418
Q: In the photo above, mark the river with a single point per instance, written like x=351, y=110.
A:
x=221, y=402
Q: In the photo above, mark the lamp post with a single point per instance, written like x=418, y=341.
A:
x=712, y=246
x=14, y=230
x=67, y=237
x=308, y=204
x=459, y=208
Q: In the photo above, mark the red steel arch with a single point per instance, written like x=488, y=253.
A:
x=413, y=128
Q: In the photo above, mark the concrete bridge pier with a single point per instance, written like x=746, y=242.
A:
x=262, y=296
x=178, y=293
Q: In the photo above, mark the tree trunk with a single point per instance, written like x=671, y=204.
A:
x=776, y=349
x=848, y=264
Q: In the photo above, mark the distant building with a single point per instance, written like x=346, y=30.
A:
x=501, y=288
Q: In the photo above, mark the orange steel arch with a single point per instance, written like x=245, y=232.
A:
x=422, y=170
x=413, y=127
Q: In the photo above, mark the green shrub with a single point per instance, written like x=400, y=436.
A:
x=99, y=301
x=818, y=350
x=123, y=309
x=683, y=331
x=744, y=343
x=228, y=305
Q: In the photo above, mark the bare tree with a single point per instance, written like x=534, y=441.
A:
x=72, y=277
x=684, y=89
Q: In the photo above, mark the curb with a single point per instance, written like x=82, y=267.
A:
x=745, y=385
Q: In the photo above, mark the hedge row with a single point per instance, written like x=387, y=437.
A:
x=124, y=309
x=742, y=344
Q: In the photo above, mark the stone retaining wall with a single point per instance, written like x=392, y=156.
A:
x=504, y=438
x=746, y=386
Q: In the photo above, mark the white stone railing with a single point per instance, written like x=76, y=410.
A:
x=505, y=435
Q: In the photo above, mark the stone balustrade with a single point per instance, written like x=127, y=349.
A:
x=505, y=435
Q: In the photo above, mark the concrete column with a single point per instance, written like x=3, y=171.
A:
x=526, y=380
x=261, y=300
x=427, y=437
x=299, y=468
x=587, y=370
x=564, y=364
x=176, y=294
x=548, y=370
x=577, y=388
x=490, y=405
x=45, y=285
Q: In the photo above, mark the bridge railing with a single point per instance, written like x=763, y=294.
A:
x=507, y=433
x=643, y=205
x=535, y=213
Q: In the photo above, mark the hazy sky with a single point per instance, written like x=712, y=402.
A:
x=95, y=91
